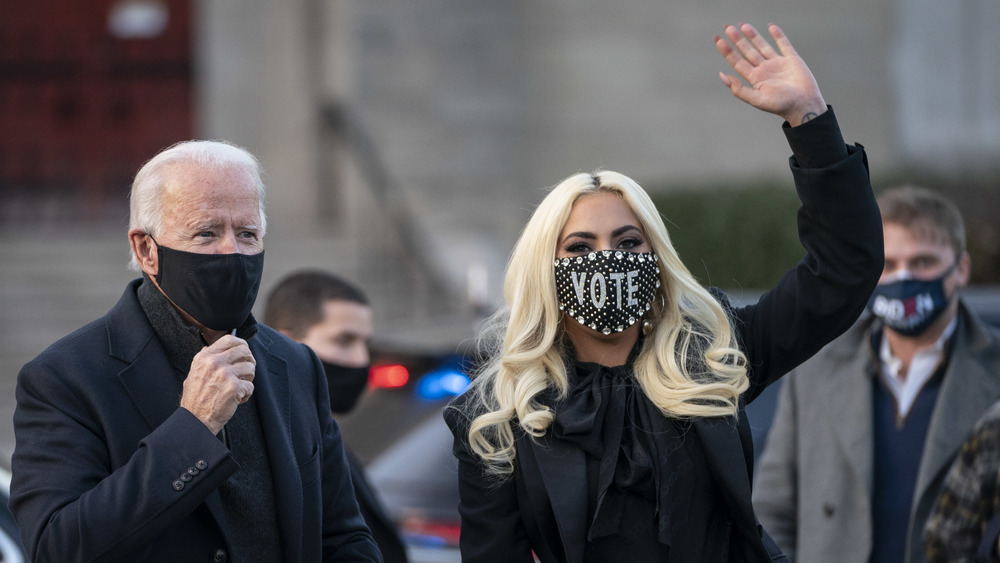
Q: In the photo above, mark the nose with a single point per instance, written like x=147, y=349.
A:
x=360, y=355
x=227, y=243
x=896, y=275
x=603, y=243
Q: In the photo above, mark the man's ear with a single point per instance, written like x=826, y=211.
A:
x=964, y=269
x=144, y=251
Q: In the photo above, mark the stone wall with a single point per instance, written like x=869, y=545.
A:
x=452, y=116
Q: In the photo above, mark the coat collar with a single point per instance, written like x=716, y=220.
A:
x=846, y=391
x=724, y=451
x=148, y=377
x=728, y=449
x=273, y=393
x=563, y=471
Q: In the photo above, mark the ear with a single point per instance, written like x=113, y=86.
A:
x=144, y=251
x=964, y=269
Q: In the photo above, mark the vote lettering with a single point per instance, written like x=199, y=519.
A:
x=596, y=289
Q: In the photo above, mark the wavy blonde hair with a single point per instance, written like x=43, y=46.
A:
x=690, y=364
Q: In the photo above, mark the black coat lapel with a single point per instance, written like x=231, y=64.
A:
x=152, y=385
x=563, y=472
x=724, y=453
x=148, y=379
x=272, y=393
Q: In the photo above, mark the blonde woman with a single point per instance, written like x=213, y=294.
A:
x=608, y=424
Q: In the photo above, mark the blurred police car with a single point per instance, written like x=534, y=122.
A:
x=416, y=476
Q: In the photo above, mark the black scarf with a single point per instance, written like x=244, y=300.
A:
x=648, y=478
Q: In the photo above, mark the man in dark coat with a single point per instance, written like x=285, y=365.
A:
x=177, y=428
x=334, y=319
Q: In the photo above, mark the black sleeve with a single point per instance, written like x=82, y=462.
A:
x=816, y=143
x=492, y=529
x=841, y=230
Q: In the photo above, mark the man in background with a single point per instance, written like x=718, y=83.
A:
x=865, y=430
x=333, y=317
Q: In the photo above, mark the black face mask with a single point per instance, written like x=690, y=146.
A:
x=908, y=306
x=217, y=290
x=346, y=385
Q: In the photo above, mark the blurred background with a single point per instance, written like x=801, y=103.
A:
x=405, y=143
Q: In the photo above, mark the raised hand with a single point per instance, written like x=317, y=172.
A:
x=779, y=81
x=221, y=379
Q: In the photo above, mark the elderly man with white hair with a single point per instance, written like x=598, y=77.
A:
x=176, y=427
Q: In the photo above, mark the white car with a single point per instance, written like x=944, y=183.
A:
x=417, y=479
x=11, y=550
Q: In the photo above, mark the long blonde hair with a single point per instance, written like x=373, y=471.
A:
x=690, y=364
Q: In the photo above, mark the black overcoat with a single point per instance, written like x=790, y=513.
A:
x=101, y=447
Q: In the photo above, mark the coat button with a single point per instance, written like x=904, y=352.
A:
x=192, y=471
x=178, y=485
x=827, y=509
x=202, y=465
x=220, y=556
x=185, y=477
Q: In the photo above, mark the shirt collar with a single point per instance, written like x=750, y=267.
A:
x=885, y=354
x=923, y=366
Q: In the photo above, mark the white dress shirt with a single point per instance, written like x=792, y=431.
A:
x=905, y=387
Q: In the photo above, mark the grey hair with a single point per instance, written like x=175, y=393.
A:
x=145, y=200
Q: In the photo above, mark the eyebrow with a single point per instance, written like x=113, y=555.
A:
x=927, y=256
x=591, y=236
x=204, y=225
x=212, y=225
x=622, y=230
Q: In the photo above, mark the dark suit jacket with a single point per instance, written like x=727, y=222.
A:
x=543, y=507
x=102, y=445
x=379, y=522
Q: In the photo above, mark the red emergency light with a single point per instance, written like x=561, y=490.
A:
x=388, y=376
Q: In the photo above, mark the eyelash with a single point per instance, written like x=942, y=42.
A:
x=625, y=244
x=246, y=236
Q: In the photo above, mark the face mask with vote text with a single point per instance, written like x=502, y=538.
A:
x=608, y=290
